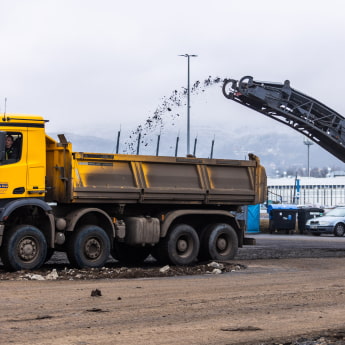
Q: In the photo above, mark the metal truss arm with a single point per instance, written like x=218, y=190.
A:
x=280, y=102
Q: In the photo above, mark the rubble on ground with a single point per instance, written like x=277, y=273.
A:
x=116, y=271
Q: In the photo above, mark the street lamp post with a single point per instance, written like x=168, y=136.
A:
x=308, y=143
x=188, y=56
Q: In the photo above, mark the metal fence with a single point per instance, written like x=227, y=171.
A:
x=307, y=191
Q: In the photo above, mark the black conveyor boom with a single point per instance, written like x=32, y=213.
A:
x=280, y=102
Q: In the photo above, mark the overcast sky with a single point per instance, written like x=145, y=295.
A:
x=91, y=67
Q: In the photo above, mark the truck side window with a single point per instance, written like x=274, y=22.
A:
x=13, y=147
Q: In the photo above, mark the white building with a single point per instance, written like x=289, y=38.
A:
x=311, y=191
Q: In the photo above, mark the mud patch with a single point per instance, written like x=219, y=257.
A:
x=241, y=329
x=39, y=317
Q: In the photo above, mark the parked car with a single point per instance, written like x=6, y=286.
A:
x=333, y=222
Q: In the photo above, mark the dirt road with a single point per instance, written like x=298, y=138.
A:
x=270, y=301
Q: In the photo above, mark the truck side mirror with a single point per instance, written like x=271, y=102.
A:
x=2, y=146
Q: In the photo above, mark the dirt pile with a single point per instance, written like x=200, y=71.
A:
x=116, y=271
x=331, y=337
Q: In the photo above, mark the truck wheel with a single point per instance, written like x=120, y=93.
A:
x=89, y=246
x=181, y=246
x=130, y=254
x=24, y=248
x=219, y=242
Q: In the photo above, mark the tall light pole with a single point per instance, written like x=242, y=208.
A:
x=308, y=143
x=188, y=56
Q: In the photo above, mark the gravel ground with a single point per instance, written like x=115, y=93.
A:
x=58, y=268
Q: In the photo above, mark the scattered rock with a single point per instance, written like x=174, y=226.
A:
x=35, y=276
x=214, y=264
x=96, y=293
x=53, y=275
x=115, y=270
x=164, y=269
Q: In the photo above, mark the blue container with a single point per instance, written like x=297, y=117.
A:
x=282, y=217
x=281, y=207
x=253, y=218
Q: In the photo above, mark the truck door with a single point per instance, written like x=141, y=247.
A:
x=36, y=162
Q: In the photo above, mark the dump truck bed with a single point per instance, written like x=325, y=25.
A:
x=81, y=177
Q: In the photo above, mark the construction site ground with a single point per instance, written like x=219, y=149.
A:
x=288, y=289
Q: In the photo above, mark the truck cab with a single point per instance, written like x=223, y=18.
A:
x=21, y=177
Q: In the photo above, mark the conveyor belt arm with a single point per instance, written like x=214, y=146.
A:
x=310, y=117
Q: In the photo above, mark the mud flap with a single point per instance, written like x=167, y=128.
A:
x=249, y=241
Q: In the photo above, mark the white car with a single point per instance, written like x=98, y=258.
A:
x=333, y=222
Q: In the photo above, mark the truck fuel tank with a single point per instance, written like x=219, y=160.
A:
x=142, y=230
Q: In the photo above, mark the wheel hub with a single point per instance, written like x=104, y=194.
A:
x=93, y=248
x=182, y=245
x=222, y=243
x=27, y=249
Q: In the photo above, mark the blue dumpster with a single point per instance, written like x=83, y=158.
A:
x=282, y=217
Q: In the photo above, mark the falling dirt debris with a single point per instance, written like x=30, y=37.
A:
x=160, y=116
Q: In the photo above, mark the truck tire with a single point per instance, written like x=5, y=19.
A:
x=180, y=247
x=89, y=246
x=219, y=242
x=24, y=248
x=130, y=254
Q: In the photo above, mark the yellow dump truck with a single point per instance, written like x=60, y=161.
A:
x=93, y=205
